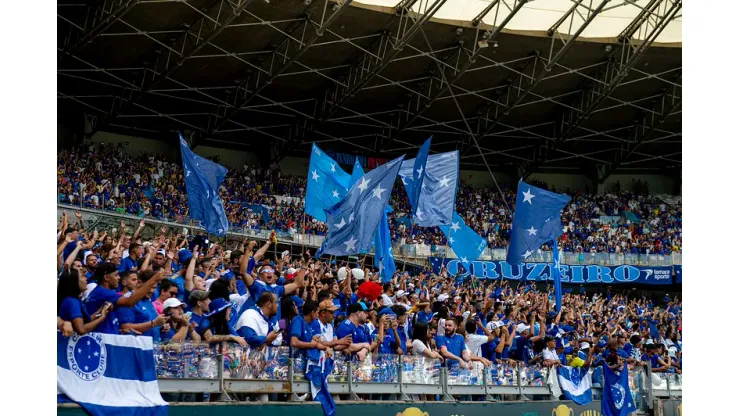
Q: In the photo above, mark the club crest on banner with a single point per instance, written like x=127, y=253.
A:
x=618, y=394
x=412, y=411
x=86, y=356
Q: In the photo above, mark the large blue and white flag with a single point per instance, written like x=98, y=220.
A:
x=437, y=197
x=384, y=250
x=616, y=399
x=575, y=382
x=536, y=221
x=202, y=180
x=326, y=184
x=316, y=374
x=108, y=374
x=417, y=179
x=465, y=242
x=351, y=224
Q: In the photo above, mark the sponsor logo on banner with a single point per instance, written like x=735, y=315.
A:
x=578, y=274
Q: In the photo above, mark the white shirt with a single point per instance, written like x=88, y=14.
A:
x=387, y=300
x=418, y=348
x=548, y=354
x=251, y=318
x=474, y=341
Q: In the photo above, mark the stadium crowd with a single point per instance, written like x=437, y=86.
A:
x=171, y=289
x=150, y=187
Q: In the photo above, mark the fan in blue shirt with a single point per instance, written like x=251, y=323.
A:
x=141, y=318
x=354, y=326
x=107, y=276
x=303, y=339
x=452, y=347
x=69, y=307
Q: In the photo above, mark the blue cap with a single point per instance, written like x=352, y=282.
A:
x=217, y=305
x=601, y=344
x=386, y=311
x=184, y=255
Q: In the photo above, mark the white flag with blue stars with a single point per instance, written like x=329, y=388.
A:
x=351, y=224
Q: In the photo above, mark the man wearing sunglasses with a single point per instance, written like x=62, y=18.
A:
x=263, y=280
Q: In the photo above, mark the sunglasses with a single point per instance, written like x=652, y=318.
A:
x=268, y=271
x=173, y=294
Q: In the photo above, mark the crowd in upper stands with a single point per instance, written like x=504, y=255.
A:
x=103, y=177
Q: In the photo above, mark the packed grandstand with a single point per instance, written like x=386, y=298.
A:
x=149, y=186
x=258, y=304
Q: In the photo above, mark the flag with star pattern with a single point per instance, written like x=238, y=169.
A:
x=352, y=222
x=463, y=240
x=536, y=221
x=326, y=183
x=202, y=180
x=436, y=201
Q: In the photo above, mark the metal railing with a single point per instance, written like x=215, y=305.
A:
x=415, y=253
x=228, y=368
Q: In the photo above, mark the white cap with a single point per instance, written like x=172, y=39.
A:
x=521, y=328
x=171, y=303
x=84, y=259
x=443, y=297
x=585, y=345
x=494, y=325
x=401, y=293
x=291, y=270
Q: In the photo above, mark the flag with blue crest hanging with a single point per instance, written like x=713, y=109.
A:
x=616, y=399
x=108, y=374
x=202, y=180
x=351, y=223
x=465, y=242
x=436, y=201
x=326, y=184
x=575, y=382
x=536, y=221
x=316, y=374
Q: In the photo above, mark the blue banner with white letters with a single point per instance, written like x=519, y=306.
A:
x=574, y=274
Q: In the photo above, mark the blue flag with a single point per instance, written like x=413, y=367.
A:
x=465, y=242
x=383, y=250
x=326, y=184
x=616, y=398
x=108, y=374
x=202, y=180
x=351, y=224
x=417, y=179
x=437, y=198
x=575, y=382
x=262, y=210
x=556, y=276
x=316, y=374
x=357, y=172
x=536, y=221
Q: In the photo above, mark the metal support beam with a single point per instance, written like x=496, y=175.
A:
x=453, y=74
x=369, y=66
x=208, y=26
x=620, y=61
x=522, y=86
x=100, y=16
x=254, y=85
x=643, y=131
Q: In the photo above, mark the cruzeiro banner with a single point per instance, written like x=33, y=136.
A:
x=577, y=274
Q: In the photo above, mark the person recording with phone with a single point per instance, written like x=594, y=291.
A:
x=178, y=327
x=258, y=326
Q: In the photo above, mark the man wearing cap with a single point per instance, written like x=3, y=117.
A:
x=141, y=318
x=386, y=337
x=179, y=328
x=354, y=326
x=549, y=357
x=107, y=277
x=524, y=339
x=257, y=325
x=326, y=316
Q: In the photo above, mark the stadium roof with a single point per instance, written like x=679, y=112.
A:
x=592, y=85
